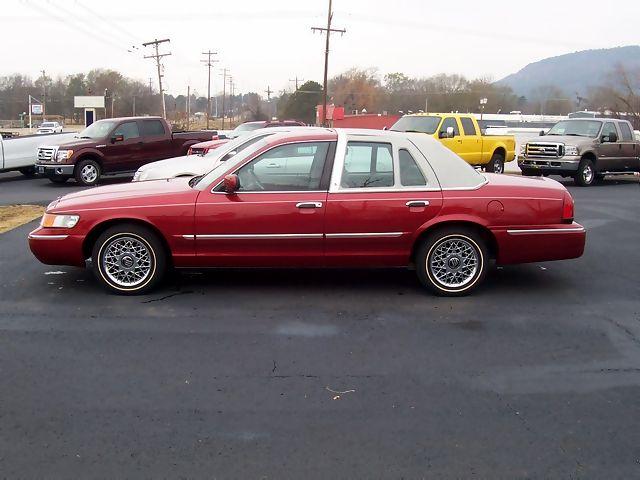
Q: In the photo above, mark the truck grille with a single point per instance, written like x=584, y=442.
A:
x=46, y=154
x=544, y=150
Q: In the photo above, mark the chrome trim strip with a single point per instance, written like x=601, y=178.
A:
x=48, y=237
x=252, y=236
x=365, y=235
x=545, y=231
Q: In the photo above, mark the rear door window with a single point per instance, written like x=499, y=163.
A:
x=468, y=127
x=367, y=165
x=410, y=173
x=152, y=128
x=627, y=136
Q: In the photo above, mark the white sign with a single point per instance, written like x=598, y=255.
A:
x=93, y=101
x=36, y=109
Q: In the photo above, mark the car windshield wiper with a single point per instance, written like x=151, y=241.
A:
x=84, y=137
x=574, y=135
x=413, y=131
x=195, y=180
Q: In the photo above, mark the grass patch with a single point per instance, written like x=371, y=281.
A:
x=13, y=216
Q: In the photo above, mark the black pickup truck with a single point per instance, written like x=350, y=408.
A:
x=114, y=146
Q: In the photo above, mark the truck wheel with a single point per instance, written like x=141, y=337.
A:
x=585, y=175
x=58, y=180
x=529, y=172
x=496, y=164
x=28, y=171
x=452, y=261
x=87, y=172
x=128, y=259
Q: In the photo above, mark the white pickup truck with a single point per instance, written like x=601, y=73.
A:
x=20, y=153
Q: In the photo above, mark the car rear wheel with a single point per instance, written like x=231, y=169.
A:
x=128, y=259
x=496, y=164
x=452, y=261
x=28, y=171
x=87, y=172
x=586, y=175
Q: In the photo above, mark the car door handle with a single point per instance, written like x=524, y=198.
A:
x=309, y=205
x=417, y=203
x=273, y=165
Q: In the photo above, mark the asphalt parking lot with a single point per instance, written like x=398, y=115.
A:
x=326, y=374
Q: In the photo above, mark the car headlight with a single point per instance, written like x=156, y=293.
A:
x=571, y=150
x=136, y=176
x=63, y=155
x=51, y=220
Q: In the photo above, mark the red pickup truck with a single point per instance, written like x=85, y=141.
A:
x=113, y=146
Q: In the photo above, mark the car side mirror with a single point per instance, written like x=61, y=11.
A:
x=448, y=133
x=611, y=138
x=117, y=138
x=542, y=132
x=385, y=128
x=231, y=183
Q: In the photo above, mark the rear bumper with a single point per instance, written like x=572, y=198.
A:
x=49, y=170
x=540, y=244
x=56, y=247
x=563, y=164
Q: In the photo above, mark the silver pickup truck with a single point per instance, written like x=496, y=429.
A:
x=586, y=149
x=20, y=153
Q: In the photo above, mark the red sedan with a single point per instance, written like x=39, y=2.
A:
x=328, y=198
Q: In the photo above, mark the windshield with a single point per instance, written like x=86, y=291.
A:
x=231, y=163
x=578, y=128
x=98, y=129
x=422, y=124
x=47, y=124
x=246, y=128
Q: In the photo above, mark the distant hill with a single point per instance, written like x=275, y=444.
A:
x=573, y=72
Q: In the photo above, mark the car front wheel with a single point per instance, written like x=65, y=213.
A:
x=128, y=259
x=452, y=261
x=87, y=172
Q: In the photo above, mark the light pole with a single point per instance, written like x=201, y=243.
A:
x=483, y=102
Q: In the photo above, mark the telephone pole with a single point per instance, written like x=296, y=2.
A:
x=224, y=91
x=44, y=95
x=328, y=31
x=296, y=80
x=157, y=56
x=231, y=85
x=268, y=91
x=209, y=63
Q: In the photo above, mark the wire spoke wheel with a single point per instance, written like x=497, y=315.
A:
x=127, y=261
x=454, y=262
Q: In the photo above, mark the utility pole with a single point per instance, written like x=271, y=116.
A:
x=224, y=91
x=328, y=31
x=134, y=106
x=150, y=89
x=157, y=56
x=209, y=63
x=268, y=91
x=188, y=106
x=296, y=80
x=231, y=100
x=44, y=95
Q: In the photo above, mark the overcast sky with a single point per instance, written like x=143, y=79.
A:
x=266, y=43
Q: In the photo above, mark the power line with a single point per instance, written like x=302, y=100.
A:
x=296, y=80
x=209, y=63
x=328, y=30
x=157, y=56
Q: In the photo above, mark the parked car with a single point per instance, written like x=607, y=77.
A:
x=49, y=127
x=203, y=148
x=248, y=127
x=585, y=149
x=193, y=165
x=462, y=135
x=114, y=146
x=20, y=152
x=316, y=199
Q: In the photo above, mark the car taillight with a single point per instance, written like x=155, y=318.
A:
x=567, y=209
x=190, y=151
x=204, y=151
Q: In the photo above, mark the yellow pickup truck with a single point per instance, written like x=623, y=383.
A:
x=461, y=134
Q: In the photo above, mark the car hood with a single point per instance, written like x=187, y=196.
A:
x=128, y=195
x=190, y=165
x=566, y=139
x=78, y=143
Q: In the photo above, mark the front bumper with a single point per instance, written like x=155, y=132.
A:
x=546, y=164
x=57, y=246
x=54, y=169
